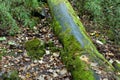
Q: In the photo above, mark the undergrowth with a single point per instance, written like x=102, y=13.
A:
x=35, y=48
x=12, y=75
x=17, y=13
x=104, y=13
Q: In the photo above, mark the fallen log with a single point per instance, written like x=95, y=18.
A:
x=79, y=52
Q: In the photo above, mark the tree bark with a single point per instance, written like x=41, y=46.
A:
x=79, y=52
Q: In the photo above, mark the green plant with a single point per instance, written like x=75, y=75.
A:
x=52, y=46
x=12, y=75
x=35, y=48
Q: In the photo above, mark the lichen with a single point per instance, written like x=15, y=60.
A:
x=35, y=48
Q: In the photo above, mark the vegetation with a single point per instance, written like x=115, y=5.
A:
x=12, y=75
x=71, y=57
x=14, y=13
x=35, y=48
x=73, y=48
x=104, y=13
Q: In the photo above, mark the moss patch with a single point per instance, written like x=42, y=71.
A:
x=35, y=48
x=71, y=57
x=12, y=75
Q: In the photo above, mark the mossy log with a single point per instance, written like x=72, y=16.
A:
x=79, y=51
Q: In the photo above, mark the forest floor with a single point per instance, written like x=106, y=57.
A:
x=50, y=66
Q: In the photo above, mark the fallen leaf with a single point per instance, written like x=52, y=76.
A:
x=3, y=38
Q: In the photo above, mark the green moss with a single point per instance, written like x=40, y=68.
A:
x=35, y=48
x=12, y=75
x=72, y=49
x=52, y=46
x=80, y=67
x=72, y=61
x=68, y=54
